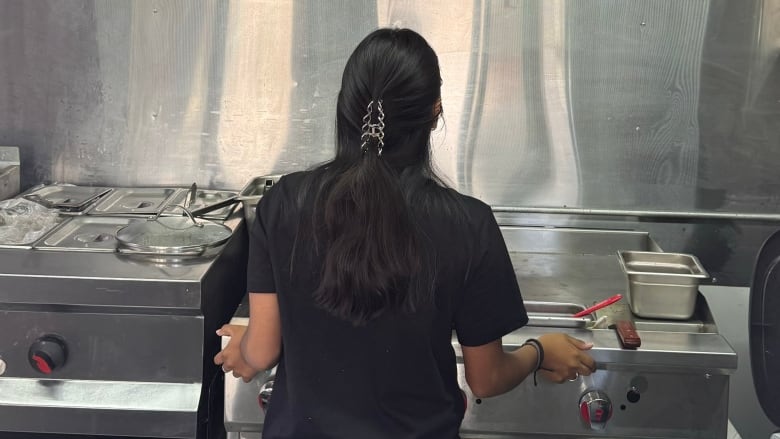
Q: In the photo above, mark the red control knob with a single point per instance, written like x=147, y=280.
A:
x=265, y=393
x=47, y=354
x=595, y=409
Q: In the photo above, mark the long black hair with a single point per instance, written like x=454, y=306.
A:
x=366, y=199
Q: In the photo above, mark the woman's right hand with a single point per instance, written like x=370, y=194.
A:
x=565, y=358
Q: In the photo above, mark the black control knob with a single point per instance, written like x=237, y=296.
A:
x=47, y=354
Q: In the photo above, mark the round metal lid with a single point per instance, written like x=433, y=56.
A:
x=764, y=318
x=174, y=235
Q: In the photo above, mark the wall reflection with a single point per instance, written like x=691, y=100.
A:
x=554, y=103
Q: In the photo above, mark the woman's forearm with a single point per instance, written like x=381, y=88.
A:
x=510, y=369
x=514, y=369
x=258, y=359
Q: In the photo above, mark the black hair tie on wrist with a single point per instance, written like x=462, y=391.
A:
x=539, y=355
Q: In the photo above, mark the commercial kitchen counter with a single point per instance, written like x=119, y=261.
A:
x=674, y=385
x=103, y=343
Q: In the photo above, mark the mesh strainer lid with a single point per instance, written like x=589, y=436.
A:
x=174, y=235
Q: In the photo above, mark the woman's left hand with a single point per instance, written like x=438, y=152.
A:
x=230, y=357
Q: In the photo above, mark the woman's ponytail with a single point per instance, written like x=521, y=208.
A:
x=374, y=257
x=372, y=251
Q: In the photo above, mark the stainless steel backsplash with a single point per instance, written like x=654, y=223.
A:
x=660, y=104
x=611, y=104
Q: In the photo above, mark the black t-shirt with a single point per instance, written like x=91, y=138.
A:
x=395, y=377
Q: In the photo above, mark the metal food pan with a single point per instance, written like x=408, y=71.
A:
x=30, y=244
x=662, y=285
x=24, y=222
x=68, y=197
x=85, y=233
x=554, y=314
x=134, y=201
x=251, y=194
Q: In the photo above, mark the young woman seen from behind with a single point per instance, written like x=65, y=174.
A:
x=360, y=269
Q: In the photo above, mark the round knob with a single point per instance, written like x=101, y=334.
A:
x=265, y=393
x=633, y=395
x=47, y=354
x=595, y=409
x=2, y=366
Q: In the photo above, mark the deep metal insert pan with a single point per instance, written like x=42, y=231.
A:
x=251, y=194
x=661, y=285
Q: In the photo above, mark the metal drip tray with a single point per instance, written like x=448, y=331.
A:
x=92, y=234
x=558, y=315
x=690, y=326
x=134, y=201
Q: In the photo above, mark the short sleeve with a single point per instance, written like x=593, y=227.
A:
x=259, y=272
x=490, y=305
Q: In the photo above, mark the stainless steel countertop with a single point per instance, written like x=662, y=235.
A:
x=581, y=266
x=106, y=279
x=26, y=262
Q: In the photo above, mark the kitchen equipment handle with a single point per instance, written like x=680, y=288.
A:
x=191, y=195
x=598, y=306
x=629, y=338
x=224, y=203
x=191, y=215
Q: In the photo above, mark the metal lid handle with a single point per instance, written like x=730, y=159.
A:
x=186, y=211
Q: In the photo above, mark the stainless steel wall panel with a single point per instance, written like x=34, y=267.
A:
x=635, y=85
x=740, y=107
x=560, y=102
x=519, y=104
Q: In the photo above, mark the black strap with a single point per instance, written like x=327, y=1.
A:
x=539, y=355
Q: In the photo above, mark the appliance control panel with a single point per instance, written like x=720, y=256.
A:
x=106, y=347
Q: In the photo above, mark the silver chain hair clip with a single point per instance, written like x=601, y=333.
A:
x=374, y=130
